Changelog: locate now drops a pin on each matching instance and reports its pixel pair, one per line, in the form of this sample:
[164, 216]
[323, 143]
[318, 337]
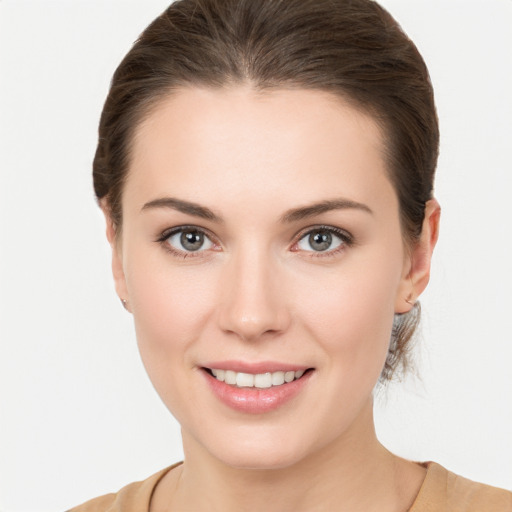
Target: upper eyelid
[343, 233]
[166, 233]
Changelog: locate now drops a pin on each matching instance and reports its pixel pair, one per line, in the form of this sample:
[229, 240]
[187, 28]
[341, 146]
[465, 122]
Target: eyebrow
[324, 206]
[294, 215]
[183, 206]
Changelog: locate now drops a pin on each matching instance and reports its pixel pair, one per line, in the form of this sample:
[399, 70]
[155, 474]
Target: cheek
[170, 307]
[350, 314]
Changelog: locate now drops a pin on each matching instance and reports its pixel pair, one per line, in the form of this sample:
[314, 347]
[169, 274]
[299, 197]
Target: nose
[253, 298]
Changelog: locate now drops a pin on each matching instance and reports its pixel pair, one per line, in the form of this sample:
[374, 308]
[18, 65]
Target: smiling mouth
[258, 380]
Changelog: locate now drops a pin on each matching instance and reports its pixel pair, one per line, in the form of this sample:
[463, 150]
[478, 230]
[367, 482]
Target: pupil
[320, 241]
[192, 240]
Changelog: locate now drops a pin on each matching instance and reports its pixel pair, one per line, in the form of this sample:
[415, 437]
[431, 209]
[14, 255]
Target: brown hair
[351, 48]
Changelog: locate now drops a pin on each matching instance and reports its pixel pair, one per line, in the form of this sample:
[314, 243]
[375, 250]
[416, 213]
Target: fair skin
[239, 169]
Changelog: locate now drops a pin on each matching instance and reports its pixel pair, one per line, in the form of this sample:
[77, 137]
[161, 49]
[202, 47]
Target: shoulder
[467, 495]
[444, 491]
[102, 503]
[134, 497]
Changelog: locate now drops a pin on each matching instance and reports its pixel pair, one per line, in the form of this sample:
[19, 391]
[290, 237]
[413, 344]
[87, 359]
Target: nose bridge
[252, 304]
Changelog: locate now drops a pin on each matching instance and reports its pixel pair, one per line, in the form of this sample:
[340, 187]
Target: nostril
[254, 327]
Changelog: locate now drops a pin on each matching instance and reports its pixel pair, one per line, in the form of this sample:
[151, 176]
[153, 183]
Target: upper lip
[255, 367]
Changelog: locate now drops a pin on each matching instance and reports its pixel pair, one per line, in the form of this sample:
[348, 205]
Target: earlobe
[417, 275]
[117, 260]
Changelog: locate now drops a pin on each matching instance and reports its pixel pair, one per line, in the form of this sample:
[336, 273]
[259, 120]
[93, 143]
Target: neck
[353, 473]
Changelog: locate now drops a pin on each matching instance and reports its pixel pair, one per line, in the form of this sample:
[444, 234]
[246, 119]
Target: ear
[117, 259]
[416, 273]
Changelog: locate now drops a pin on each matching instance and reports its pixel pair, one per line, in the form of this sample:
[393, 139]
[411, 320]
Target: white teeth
[263, 380]
[289, 376]
[260, 380]
[277, 378]
[230, 377]
[244, 380]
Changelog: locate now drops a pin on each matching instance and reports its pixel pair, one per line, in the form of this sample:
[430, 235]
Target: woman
[266, 174]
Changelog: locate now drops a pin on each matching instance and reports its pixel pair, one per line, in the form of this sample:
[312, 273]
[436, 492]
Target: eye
[323, 240]
[188, 240]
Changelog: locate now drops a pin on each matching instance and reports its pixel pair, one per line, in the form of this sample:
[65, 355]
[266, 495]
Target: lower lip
[256, 400]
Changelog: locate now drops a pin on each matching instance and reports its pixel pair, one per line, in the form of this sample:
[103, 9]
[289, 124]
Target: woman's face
[261, 236]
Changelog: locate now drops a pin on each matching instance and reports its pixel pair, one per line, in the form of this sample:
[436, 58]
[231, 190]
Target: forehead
[213, 143]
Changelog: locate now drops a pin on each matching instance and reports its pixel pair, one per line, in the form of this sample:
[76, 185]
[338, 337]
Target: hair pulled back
[351, 48]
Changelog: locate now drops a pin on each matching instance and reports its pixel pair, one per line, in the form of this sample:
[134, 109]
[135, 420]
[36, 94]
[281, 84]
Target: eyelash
[168, 233]
[347, 240]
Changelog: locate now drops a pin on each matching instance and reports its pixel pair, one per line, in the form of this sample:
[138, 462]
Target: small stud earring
[124, 302]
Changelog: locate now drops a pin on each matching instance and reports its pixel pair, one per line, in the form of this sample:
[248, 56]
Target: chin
[259, 448]
[260, 458]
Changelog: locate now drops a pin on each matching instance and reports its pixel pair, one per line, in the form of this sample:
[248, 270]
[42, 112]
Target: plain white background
[78, 416]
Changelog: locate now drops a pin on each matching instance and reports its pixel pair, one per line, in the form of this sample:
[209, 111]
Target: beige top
[441, 491]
